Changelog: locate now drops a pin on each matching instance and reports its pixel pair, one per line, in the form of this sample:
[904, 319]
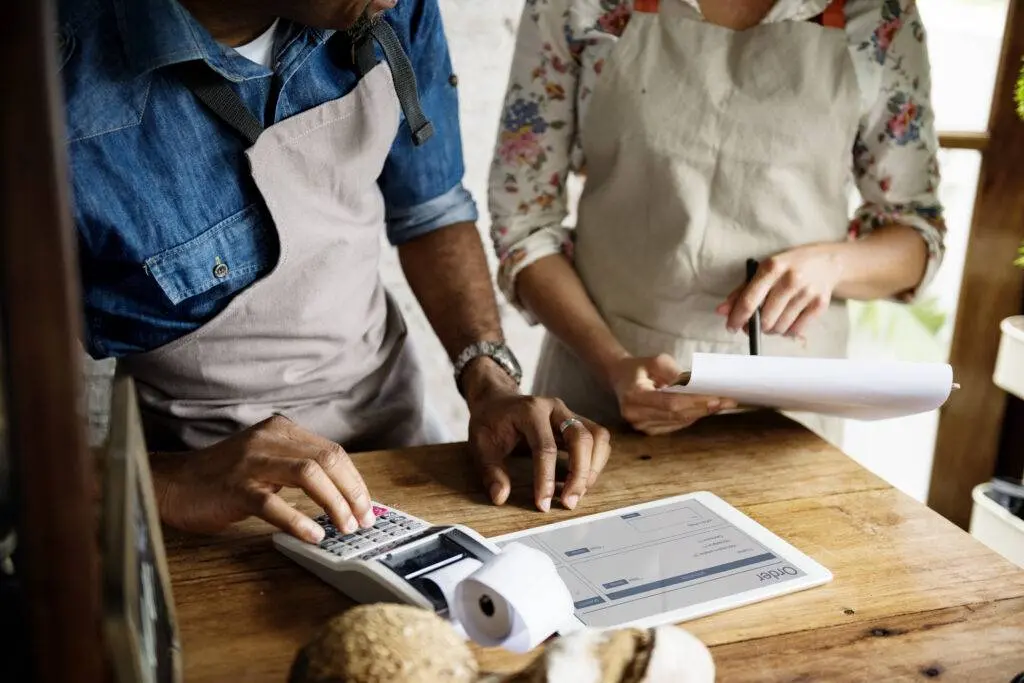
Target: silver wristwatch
[496, 351]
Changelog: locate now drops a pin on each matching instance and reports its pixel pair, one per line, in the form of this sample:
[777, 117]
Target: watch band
[496, 351]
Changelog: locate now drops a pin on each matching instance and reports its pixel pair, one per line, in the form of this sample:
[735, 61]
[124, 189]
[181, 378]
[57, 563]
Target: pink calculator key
[378, 510]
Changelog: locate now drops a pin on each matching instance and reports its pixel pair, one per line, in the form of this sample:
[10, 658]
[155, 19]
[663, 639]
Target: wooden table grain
[913, 598]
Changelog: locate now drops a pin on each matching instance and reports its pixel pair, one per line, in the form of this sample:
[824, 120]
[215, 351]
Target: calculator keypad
[389, 527]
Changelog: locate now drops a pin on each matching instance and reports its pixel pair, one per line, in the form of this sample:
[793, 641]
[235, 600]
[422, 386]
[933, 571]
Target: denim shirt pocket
[230, 256]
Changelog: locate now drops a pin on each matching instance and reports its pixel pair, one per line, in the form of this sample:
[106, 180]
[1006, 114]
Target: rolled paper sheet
[515, 600]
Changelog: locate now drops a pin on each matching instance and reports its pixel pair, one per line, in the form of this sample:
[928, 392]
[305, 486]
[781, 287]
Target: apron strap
[213, 90]
[834, 15]
[363, 35]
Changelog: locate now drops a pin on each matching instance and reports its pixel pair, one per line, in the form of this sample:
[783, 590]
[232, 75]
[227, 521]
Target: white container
[1009, 372]
[993, 525]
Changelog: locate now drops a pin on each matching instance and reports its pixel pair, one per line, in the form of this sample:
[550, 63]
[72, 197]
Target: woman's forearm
[889, 261]
[552, 291]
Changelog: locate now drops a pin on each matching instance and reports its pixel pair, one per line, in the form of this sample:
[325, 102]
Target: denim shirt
[161, 186]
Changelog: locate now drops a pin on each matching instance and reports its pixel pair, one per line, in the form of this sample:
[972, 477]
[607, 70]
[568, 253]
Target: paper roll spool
[447, 578]
[515, 600]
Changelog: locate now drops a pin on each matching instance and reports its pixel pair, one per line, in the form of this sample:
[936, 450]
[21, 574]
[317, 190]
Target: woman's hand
[791, 288]
[636, 382]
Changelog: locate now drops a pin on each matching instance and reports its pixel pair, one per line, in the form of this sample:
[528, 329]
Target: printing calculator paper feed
[668, 561]
[515, 600]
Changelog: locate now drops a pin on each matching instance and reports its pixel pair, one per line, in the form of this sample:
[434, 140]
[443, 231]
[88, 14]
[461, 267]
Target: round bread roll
[666, 654]
[385, 643]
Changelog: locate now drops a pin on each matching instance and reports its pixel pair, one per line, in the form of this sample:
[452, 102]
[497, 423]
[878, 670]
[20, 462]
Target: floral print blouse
[561, 48]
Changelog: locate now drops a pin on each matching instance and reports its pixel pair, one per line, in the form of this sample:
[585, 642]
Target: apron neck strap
[834, 15]
[213, 90]
[363, 34]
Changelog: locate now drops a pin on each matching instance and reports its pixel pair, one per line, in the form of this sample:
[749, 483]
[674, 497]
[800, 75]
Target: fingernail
[368, 519]
[714, 404]
[313, 531]
[350, 525]
[545, 504]
[495, 492]
[571, 501]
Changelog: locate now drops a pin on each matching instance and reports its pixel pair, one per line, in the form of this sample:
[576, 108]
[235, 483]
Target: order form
[656, 559]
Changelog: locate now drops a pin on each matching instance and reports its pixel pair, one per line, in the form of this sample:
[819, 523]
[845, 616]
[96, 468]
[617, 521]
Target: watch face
[509, 357]
[497, 351]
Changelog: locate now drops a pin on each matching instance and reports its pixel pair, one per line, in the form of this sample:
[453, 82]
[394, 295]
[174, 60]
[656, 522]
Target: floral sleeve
[533, 158]
[895, 154]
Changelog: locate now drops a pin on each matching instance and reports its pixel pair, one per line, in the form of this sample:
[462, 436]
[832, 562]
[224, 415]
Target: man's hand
[501, 417]
[636, 382]
[207, 490]
[792, 288]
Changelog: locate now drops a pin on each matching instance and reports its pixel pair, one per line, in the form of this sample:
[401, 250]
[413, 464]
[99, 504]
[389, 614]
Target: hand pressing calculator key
[391, 526]
[390, 562]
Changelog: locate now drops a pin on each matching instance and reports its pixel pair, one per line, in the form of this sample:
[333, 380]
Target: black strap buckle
[363, 34]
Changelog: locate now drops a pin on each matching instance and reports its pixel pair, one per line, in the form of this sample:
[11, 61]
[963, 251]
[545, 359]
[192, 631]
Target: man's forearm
[551, 289]
[889, 261]
[447, 271]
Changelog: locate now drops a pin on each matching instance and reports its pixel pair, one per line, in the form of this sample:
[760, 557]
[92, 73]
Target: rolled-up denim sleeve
[454, 206]
[422, 186]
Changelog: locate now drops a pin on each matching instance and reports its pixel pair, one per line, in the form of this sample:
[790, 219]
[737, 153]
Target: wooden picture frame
[52, 472]
[139, 618]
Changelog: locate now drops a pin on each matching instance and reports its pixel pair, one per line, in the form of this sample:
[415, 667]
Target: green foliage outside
[1019, 98]
[907, 331]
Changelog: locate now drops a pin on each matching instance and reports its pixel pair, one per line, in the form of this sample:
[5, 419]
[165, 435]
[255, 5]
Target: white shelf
[994, 526]
[1009, 371]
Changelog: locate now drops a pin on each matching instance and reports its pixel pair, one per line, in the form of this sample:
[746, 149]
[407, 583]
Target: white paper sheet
[855, 389]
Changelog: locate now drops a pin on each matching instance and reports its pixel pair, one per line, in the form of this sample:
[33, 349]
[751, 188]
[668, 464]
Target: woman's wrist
[890, 259]
[607, 360]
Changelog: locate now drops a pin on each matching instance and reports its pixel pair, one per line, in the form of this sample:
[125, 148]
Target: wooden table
[913, 598]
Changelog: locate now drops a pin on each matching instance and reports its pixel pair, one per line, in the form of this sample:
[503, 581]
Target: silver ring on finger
[571, 422]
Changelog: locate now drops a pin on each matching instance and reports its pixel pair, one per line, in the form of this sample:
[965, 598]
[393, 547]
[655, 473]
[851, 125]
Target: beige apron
[705, 147]
[318, 339]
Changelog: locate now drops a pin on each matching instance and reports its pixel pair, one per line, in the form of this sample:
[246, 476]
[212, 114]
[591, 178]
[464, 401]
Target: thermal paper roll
[515, 600]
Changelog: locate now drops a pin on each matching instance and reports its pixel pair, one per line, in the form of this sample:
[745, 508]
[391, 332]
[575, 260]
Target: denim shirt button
[220, 270]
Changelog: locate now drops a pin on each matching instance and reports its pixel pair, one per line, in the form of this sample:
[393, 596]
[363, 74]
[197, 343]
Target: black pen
[754, 324]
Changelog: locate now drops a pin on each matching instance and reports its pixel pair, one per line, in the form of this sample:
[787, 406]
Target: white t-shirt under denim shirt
[261, 50]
